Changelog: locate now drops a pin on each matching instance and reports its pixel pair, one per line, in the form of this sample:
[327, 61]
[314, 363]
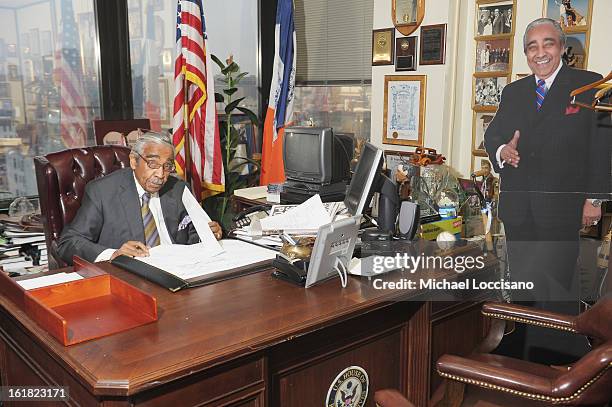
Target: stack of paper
[305, 218]
[21, 247]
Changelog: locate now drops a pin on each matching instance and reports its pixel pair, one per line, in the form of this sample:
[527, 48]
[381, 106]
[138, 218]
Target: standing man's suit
[565, 158]
[110, 215]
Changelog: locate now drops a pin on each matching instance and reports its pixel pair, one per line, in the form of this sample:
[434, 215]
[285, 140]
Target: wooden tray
[85, 309]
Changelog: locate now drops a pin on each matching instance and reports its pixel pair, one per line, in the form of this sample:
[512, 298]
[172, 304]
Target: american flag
[69, 72]
[194, 87]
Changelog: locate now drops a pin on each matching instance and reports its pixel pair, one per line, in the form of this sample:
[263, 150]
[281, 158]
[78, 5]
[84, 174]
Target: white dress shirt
[548, 83]
[158, 217]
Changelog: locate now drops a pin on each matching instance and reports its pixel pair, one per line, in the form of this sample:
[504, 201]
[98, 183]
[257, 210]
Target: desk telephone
[245, 217]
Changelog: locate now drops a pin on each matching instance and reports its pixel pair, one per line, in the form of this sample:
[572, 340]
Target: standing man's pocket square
[186, 221]
[572, 110]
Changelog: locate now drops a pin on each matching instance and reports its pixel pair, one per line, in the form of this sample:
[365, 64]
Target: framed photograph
[495, 18]
[383, 46]
[405, 54]
[487, 92]
[479, 127]
[573, 15]
[576, 50]
[404, 110]
[433, 44]
[494, 55]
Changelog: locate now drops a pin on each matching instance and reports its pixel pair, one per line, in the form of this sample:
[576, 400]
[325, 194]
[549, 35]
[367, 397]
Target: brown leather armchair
[61, 179]
[586, 382]
[103, 127]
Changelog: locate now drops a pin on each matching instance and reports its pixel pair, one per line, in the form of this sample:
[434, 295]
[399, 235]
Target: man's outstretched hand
[509, 153]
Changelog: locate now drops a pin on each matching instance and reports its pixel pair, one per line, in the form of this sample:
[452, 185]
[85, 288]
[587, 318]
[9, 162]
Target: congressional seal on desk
[349, 388]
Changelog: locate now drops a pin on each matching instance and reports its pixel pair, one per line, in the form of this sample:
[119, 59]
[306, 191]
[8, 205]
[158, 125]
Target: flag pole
[187, 142]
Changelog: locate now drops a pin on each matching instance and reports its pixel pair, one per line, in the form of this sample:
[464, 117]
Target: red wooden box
[77, 311]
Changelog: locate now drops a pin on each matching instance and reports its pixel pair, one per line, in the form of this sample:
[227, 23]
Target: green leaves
[230, 91]
[252, 116]
[231, 106]
[218, 62]
[218, 206]
[231, 68]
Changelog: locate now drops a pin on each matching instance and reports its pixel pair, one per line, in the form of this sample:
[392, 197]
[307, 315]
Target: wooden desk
[250, 341]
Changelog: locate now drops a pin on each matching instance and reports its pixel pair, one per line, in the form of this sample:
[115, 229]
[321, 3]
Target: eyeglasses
[154, 165]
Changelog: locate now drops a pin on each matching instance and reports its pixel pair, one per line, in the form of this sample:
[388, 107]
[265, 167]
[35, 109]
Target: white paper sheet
[52, 279]
[253, 192]
[306, 217]
[189, 261]
[200, 221]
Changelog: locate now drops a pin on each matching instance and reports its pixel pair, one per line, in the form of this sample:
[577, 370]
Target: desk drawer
[223, 386]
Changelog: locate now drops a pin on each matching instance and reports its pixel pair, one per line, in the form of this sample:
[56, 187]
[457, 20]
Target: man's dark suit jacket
[564, 150]
[110, 215]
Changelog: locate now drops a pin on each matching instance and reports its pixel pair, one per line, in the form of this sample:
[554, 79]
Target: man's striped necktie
[150, 230]
[540, 92]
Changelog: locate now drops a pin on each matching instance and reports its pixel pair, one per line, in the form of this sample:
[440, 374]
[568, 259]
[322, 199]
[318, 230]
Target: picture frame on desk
[395, 158]
[432, 49]
[404, 109]
[383, 46]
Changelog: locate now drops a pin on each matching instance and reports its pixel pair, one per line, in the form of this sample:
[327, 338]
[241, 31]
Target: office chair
[484, 379]
[124, 127]
[61, 179]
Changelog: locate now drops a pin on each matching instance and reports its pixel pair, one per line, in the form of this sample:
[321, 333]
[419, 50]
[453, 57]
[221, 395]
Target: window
[334, 72]
[49, 90]
[232, 28]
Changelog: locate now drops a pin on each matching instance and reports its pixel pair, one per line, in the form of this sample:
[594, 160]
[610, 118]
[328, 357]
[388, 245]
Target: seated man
[132, 209]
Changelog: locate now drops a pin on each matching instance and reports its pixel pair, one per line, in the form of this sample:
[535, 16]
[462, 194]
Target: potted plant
[218, 206]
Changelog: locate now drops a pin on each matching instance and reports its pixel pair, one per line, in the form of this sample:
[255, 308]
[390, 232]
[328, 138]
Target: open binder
[175, 283]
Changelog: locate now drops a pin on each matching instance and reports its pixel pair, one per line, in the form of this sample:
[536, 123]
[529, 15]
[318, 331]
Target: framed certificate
[404, 110]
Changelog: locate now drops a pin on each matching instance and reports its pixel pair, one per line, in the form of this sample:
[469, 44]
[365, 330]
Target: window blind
[334, 41]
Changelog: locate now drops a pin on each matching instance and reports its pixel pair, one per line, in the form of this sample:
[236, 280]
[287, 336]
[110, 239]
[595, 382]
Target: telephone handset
[245, 217]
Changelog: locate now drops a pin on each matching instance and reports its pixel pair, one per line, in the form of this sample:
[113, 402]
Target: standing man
[132, 209]
[551, 156]
[498, 22]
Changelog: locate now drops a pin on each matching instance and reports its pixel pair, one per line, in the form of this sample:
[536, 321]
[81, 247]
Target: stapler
[294, 272]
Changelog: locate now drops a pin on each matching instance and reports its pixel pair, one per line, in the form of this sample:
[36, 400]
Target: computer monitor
[362, 185]
[314, 155]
